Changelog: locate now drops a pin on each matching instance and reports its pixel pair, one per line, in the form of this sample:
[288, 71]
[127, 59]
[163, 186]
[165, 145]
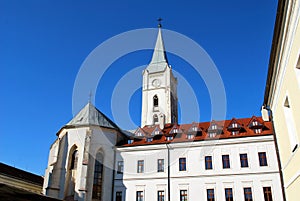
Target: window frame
[140, 166]
[139, 195]
[183, 195]
[160, 166]
[120, 167]
[212, 194]
[262, 158]
[244, 160]
[182, 164]
[267, 190]
[248, 193]
[118, 194]
[160, 195]
[208, 162]
[227, 196]
[226, 158]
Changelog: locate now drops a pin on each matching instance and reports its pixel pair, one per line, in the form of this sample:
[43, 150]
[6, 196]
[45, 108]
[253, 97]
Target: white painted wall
[196, 179]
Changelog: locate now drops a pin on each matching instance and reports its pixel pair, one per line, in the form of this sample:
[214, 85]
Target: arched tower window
[155, 101]
[74, 160]
[155, 119]
[98, 172]
[71, 173]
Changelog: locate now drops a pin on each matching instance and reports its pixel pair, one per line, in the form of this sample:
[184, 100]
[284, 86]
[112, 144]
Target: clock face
[156, 83]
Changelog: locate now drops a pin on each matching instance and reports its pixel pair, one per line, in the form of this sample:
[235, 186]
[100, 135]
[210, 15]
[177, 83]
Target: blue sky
[44, 43]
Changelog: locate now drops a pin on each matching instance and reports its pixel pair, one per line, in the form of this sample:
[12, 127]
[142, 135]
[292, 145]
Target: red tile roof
[223, 131]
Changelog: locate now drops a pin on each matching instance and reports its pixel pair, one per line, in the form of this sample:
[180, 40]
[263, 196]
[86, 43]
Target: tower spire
[159, 54]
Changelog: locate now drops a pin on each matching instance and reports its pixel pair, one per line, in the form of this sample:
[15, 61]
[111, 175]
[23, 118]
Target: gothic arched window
[74, 160]
[71, 173]
[155, 101]
[155, 119]
[98, 170]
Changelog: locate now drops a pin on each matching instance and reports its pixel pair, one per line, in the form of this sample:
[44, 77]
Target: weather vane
[159, 21]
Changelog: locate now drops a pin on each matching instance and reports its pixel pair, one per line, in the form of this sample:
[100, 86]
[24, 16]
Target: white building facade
[92, 159]
[240, 168]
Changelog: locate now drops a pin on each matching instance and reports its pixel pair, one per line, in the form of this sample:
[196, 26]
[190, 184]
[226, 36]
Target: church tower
[159, 99]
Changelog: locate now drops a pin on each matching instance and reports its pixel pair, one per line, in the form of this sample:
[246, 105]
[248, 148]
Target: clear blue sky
[43, 44]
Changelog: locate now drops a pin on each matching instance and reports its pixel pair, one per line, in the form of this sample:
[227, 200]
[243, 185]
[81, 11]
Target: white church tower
[159, 100]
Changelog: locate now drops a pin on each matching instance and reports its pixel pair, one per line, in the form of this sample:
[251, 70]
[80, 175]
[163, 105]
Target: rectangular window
[244, 160]
[169, 138]
[248, 194]
[140, 166]
[228, 194]
[262, 159]
[210, 194]
[225, 161]
[149, 139]
[119, 196]
[140, 196]
[182, 164]
[268, 194]
[130, 141]
[290, 123]
[257, 130]
[212, 134]
[234, 132]
[160, 165]
[183, 195]
[190, 136]
[208, 162]
[160, 195]
[120, 167]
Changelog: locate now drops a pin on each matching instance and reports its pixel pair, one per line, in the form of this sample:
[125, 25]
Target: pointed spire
[159, 54]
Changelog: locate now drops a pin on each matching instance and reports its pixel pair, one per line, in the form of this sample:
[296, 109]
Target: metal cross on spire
[159, 22]
[90, 96]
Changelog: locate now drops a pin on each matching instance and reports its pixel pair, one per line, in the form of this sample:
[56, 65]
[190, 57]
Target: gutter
[169, 179]
[277, 151]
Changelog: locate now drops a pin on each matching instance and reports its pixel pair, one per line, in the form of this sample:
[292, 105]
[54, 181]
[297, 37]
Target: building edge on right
[282, 94]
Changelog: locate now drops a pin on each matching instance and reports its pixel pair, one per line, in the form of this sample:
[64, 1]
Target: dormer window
[213, 130]
[194, 128]
[156, 131]
[150, 139]
[235, 132]
[139, 133]
[175, 130]
[169, 138]
[256, 126]
[234, 128]
[257, 130]
[190, 136]
[130, 141]
[212, 134]
[255, 123]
